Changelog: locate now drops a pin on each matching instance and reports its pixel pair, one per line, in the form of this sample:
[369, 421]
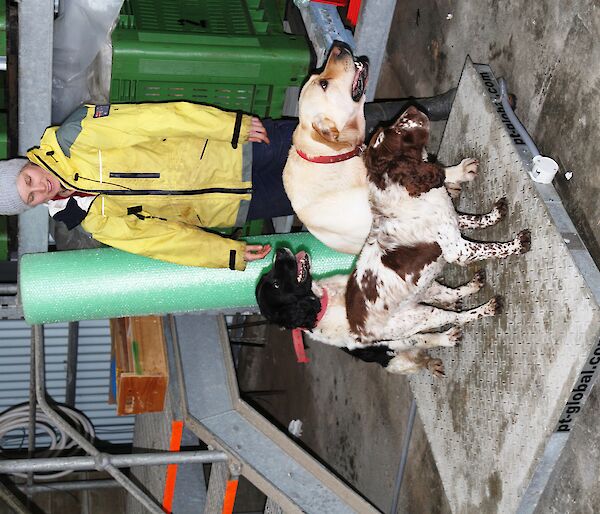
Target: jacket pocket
[137, 211]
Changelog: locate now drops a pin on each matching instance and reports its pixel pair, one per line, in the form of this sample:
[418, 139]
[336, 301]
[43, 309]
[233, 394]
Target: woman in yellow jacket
[154, 178]
[151, 178]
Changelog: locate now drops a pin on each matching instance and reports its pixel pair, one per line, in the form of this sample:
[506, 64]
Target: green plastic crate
[3, 238]
[226, 17]
[232, 54]
[3, 116]
[3, 136]
[2, 27]
[215, 17]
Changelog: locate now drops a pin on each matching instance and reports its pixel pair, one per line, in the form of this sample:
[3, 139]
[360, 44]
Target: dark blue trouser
[268, 195]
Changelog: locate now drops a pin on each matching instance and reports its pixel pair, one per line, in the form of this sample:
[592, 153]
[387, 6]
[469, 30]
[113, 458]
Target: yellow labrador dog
[325, 177]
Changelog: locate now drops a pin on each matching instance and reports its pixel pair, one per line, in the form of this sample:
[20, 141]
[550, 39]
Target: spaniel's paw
[524, 238]
[456, 305]
[454, 336]
[469, 167]
[501, 207]
[494, 306]
[453, 189]
[436, 367]
[478, 280]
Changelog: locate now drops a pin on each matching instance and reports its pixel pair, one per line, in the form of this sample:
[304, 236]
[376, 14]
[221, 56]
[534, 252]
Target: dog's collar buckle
[330, 159]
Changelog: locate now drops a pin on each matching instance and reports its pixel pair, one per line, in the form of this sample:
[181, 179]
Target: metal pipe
[36, 19]
[404, 456]
[6, 289]
[103, 461]
[371, 36]
[31, 426]
[85, 502]
[72, 347]
[72, 485]
[12, 501]
[132, 488]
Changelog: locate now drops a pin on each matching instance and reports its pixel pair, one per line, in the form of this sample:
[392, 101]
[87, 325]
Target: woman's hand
[258, 133]
[256, 252]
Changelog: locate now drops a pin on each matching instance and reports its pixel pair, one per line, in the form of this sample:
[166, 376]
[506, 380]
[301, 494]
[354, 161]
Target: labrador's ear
[326, 129]
[350, 134]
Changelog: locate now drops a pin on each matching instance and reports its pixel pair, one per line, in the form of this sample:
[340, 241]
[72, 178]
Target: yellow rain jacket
[156, 176]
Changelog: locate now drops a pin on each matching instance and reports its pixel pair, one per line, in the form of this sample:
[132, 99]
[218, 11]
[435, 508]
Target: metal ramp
[499, 421]
[291, 479]
[152, 433]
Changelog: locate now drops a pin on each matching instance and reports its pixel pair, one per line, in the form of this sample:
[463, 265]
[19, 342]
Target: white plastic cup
[544, 169]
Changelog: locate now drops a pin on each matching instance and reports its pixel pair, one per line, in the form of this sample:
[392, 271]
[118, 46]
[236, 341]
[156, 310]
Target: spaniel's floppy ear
[413, 128]
[377, 138]
[415, 122]
[326, 129]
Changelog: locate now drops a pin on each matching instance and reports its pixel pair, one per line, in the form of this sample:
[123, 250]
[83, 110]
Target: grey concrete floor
[354, 414]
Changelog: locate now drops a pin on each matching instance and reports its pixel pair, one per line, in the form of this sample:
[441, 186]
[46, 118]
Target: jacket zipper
[161, 192]
[125, 174]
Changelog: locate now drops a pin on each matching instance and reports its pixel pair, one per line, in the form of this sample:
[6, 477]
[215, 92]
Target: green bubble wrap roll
[108, 283]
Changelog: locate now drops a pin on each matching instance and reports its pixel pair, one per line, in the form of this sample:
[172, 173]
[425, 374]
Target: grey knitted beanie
[10, 201]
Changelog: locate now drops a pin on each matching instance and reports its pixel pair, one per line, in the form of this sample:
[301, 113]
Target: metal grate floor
[491, 421]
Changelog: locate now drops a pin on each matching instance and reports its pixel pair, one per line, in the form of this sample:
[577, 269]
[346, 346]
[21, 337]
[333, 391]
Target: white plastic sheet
[82, 54]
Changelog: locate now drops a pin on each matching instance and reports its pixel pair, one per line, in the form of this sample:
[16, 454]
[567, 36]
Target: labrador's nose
[340, 49]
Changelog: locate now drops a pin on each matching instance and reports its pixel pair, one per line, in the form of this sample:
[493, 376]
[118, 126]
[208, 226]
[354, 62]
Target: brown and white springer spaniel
[388, 309]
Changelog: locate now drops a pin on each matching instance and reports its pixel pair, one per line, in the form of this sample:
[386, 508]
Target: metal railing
[96, 460]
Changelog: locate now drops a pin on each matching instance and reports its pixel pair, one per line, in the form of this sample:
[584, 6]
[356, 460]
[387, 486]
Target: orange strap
[297, 338]
[353, 10]
[299, 345]
[230, 492]
[176, 434]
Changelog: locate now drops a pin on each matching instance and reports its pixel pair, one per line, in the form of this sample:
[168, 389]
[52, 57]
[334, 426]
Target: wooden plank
[137, 394]
[142, 374]
[118, 331]
[148, 332]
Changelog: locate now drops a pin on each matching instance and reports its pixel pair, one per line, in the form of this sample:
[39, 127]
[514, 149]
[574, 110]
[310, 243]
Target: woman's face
[36, 185]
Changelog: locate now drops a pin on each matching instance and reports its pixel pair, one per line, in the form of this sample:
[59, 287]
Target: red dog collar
[330, 159]
[297, 332]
